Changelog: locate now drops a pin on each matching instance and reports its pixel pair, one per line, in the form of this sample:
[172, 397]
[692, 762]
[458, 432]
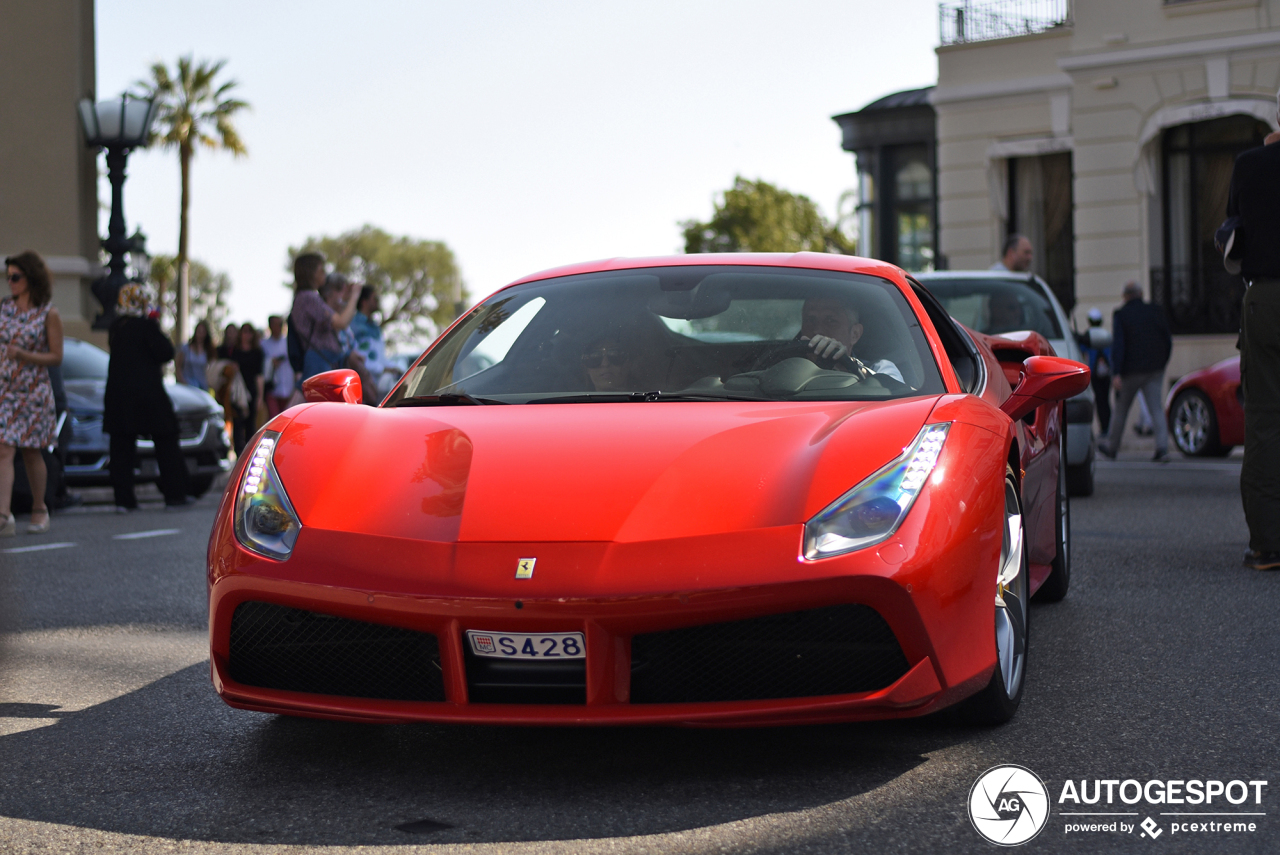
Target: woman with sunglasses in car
[606, 362]
[30, 342]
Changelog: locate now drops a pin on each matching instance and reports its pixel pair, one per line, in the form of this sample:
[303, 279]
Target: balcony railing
[964, 21]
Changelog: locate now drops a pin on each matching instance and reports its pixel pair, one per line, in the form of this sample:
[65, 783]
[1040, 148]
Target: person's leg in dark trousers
[1153, 394]
[1102, 400]
[173, 469]
[1260, 377]
[238, 436]
[1129, 386]
[124, 455]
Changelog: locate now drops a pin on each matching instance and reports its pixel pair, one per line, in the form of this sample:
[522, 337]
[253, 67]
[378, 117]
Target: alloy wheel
[1011, 595]
[1191, 421]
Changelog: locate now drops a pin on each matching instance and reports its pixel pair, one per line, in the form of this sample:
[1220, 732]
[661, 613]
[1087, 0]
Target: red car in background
[1205, 410]
[632, 492]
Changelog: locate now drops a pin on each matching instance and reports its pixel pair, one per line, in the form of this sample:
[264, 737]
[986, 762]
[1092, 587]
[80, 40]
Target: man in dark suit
[1255, 200]
[1140, 348]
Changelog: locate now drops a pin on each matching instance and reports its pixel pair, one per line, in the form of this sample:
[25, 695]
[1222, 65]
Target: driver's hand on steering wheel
[826, 347]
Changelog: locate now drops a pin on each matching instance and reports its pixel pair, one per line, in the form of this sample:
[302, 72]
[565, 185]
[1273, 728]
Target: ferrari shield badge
[524, 568]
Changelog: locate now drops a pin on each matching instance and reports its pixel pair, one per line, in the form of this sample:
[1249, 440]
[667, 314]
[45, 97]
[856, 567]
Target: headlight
[873, 510]
[264, 518]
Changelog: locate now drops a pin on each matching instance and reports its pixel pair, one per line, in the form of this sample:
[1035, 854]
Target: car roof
[977, 274]
[805, 260]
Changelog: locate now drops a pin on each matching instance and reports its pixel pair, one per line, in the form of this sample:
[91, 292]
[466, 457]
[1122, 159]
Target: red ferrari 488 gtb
[702, 490]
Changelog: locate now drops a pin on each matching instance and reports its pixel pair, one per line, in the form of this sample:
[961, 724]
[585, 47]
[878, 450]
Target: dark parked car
[202, 433]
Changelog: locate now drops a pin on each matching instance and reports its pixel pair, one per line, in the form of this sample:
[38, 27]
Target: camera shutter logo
[1009, 805]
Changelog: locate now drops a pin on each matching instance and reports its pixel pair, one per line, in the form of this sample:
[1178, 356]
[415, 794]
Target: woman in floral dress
[30, 341]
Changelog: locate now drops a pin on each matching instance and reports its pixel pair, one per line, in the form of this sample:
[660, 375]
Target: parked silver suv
[994, 302]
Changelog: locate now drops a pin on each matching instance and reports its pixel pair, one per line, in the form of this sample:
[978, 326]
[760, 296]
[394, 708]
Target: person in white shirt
[1016, 254]
[832, 327]
[278, 372]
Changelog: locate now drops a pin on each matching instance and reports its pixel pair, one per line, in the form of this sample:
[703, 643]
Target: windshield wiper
[448, 399]
[641, 398]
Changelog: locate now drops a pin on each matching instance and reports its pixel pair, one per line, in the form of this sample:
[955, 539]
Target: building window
[913, 203]
[907, 205]
[1197, 293]
[1040, 207]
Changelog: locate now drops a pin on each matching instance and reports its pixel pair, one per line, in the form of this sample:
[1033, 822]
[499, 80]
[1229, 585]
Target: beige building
[1105, 130]
[48, 177]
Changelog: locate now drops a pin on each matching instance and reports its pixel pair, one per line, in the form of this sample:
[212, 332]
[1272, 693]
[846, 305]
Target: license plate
[519, 645]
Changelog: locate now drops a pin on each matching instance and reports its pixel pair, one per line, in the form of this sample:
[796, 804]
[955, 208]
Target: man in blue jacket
[1140, 348]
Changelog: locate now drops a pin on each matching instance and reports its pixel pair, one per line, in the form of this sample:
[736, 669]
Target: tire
[1080, 476]
[1055, 587]
[997, 703]
[198, 485]
[1194, 425]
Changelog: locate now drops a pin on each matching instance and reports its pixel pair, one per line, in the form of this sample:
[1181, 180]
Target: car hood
[583, 472]
[86, 396]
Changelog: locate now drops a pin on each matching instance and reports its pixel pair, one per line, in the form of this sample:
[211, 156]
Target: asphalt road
[1160, 664]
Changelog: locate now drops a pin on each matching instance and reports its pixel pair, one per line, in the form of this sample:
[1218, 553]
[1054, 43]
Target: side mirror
[1099, 338]
[340, 387]
[1045, 379]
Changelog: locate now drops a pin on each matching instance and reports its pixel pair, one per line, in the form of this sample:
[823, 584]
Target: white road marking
[139, 535]
[41, 548]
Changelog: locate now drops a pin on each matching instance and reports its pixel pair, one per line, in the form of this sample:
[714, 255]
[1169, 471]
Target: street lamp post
[119, 127]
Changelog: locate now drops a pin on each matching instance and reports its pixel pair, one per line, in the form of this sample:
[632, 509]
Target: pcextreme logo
[1008, 805]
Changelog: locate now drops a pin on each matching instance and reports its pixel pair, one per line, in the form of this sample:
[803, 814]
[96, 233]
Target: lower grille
[514, 681]
[189, 426]
[276, 647]
[833, 650]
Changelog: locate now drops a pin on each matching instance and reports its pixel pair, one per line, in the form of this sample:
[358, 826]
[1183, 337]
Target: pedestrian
[369, 344]
[1099, 362]
[248, 355]
[278, 386]
[30, 342]
[136, 403]
[318, 324]
[194, 357]
[230, 341]
[308, 275]
[1140, 349]
[1254, 198]
[1015, 254]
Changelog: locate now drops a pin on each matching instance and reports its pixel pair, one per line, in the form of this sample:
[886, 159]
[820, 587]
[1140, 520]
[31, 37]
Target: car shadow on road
[171, 760]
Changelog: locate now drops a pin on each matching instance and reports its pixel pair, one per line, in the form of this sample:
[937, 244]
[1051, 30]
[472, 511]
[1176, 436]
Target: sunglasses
[15, 278]
[596, 358]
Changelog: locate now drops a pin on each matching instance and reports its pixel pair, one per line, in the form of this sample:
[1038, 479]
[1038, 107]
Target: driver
[832, 327]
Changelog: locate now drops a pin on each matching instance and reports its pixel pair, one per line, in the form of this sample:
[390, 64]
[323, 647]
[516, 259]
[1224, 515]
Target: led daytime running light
[265, 521]
[872, 511]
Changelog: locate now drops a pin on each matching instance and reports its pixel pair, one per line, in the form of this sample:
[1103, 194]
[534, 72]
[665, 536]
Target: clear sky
[525, 135]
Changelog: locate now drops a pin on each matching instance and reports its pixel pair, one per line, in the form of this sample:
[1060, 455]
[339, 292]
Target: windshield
[680, 333]
[995, 306]
[83, 361]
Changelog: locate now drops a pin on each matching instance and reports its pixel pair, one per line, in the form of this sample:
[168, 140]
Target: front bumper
[927, 585]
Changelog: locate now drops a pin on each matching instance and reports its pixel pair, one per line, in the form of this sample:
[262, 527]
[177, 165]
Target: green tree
[193, 110]
[756, 216]
[418, 281]
[208, 291]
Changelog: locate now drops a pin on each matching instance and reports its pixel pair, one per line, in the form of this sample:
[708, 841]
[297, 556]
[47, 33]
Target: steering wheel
[801, 349]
